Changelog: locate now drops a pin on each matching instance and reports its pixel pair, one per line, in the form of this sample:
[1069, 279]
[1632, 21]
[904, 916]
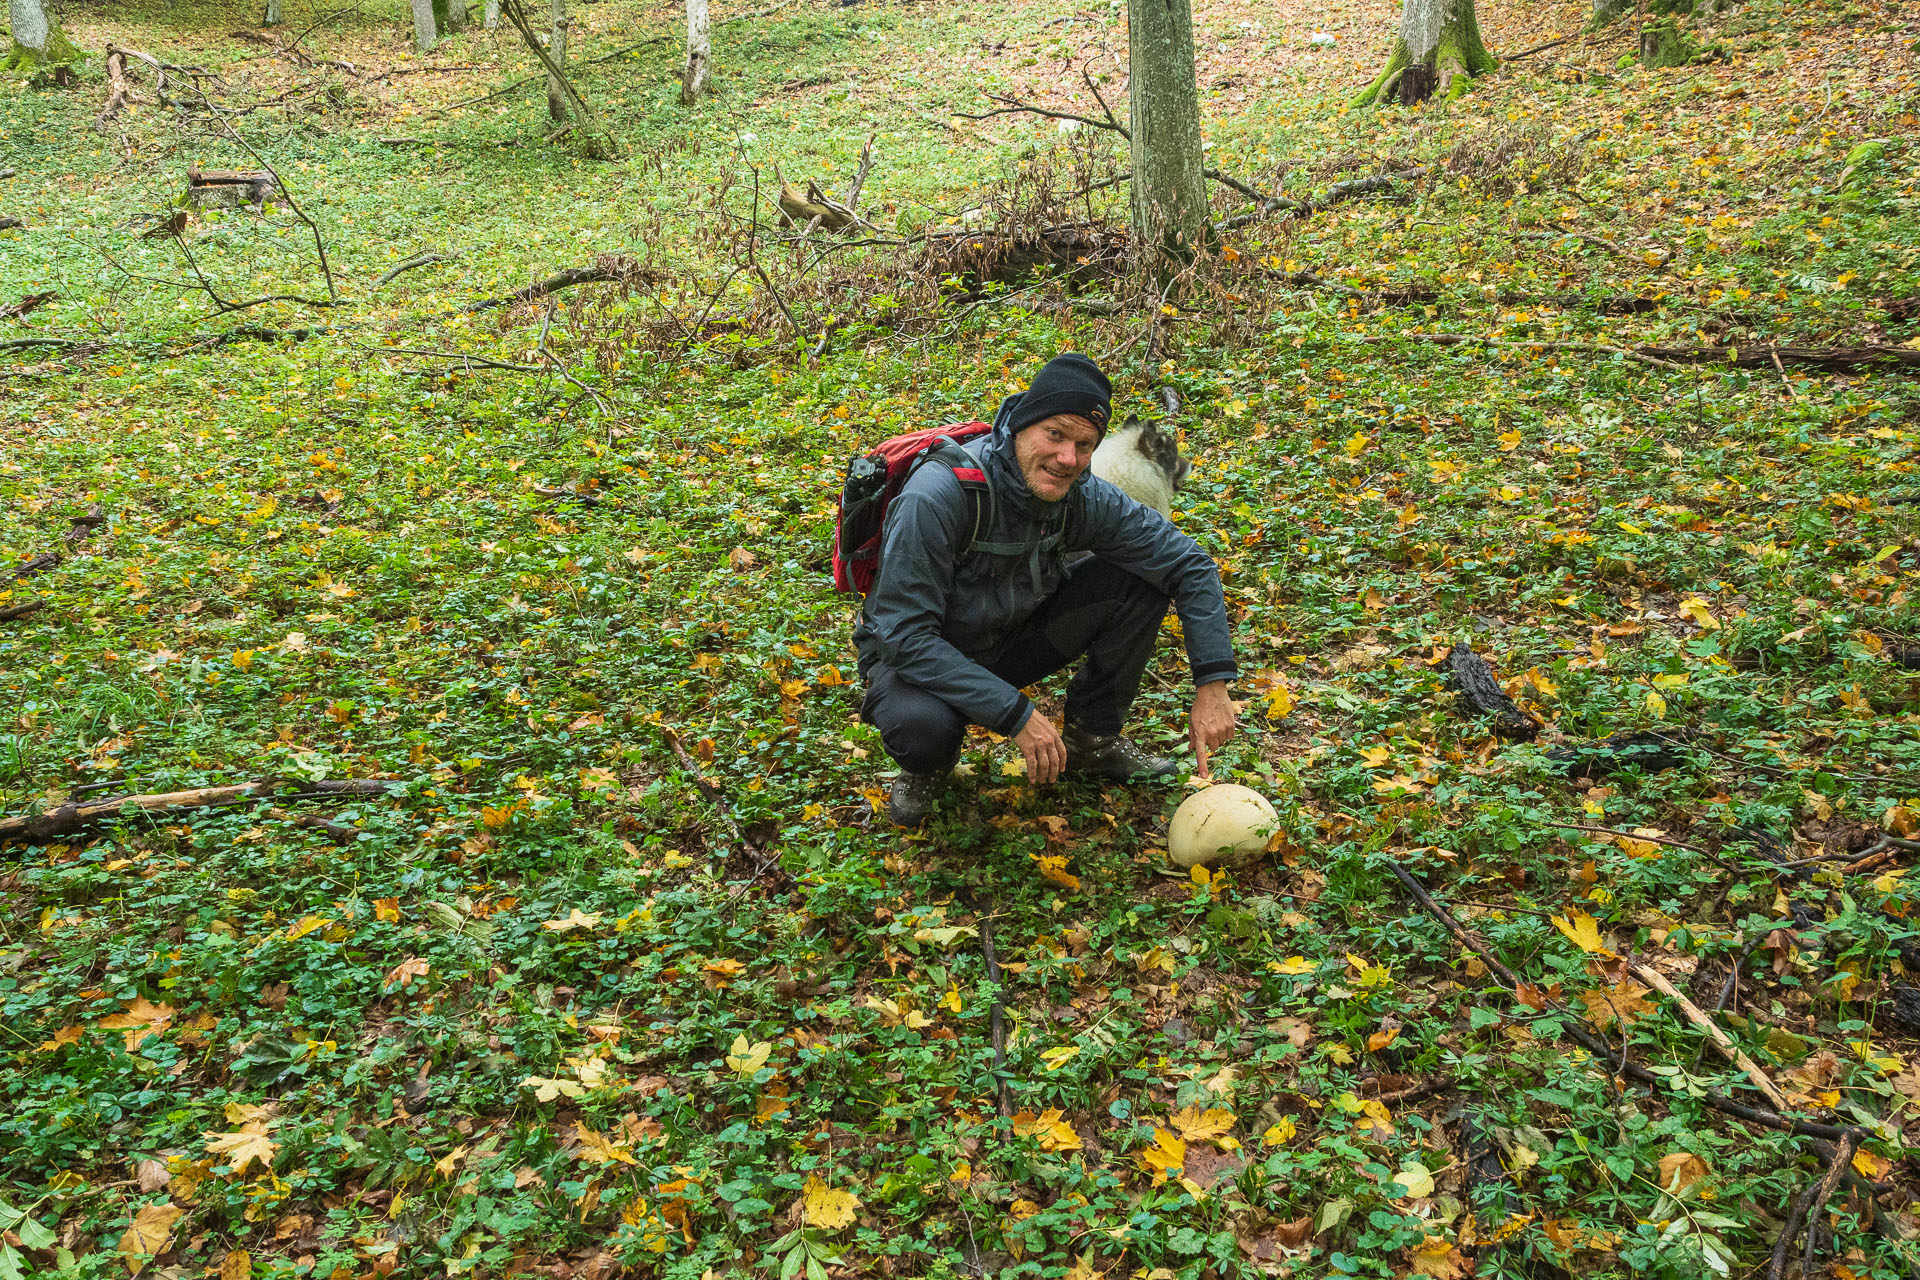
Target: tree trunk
[557, 50]
[425, 32]
[449, 16]
[1605, 11]
[1169, 187]
[1437, 50]
[491, 20]
[273, 18]
[693, 81]
[37, 37]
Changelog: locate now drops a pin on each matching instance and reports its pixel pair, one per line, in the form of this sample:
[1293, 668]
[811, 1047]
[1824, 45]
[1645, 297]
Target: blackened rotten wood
[1477, 684]
[1588, 762]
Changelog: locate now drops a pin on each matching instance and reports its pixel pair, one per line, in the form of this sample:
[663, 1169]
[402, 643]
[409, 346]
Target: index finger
[1201, 752]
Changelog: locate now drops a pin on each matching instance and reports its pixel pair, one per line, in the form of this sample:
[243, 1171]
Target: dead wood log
[1482, 691]
[82, 528]
[813, 206]
[27, 305]
[1762, 354]
[78, 815]
[10, 223]
[1074, 251]
[21, 610]
[1587, 762]
[606, 271]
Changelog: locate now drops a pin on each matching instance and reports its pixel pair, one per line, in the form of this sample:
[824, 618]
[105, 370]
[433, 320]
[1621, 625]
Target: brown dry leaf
[237, 1265]
[1625, 1000]
[141, 1020]
[151, 1175]
[148, 1234]
[740, 559]
[64, 1036]
[1680, 1170]
[387, 909]
[1272, 1242]
[406, 971]
[1437, 1257]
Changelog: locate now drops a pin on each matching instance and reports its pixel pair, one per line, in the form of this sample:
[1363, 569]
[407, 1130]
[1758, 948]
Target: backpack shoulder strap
[973, 478]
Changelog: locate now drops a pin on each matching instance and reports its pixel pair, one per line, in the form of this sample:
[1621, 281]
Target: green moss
[1664, 44]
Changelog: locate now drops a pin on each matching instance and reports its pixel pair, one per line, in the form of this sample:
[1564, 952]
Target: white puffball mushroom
[1226, 824]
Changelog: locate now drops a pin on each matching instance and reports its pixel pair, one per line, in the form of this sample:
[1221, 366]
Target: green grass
[493, 1032]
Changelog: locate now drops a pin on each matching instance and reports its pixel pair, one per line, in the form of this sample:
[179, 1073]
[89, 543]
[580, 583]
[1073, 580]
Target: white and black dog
[1143, 462]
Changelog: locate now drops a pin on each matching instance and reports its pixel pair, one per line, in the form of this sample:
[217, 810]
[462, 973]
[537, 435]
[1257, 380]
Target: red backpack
[875, 479]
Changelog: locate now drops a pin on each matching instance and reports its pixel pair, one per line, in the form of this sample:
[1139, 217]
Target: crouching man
[973, 600]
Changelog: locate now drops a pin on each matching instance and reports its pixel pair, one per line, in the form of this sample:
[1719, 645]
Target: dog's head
[1159, 448]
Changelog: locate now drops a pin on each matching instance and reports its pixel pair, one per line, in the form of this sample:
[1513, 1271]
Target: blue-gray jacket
[938, 610]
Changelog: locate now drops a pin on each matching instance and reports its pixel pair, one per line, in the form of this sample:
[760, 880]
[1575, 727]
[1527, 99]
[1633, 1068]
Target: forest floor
[628, 973]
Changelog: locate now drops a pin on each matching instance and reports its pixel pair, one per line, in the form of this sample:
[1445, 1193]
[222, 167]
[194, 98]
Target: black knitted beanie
[1069, 383]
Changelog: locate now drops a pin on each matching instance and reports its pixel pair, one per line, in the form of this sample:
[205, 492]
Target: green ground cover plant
[628, 973]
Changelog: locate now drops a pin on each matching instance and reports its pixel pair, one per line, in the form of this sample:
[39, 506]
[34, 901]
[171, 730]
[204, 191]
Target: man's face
[1053, 452]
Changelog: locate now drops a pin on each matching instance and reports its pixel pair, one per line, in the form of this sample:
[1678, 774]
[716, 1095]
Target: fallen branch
[1758, 355]
[1728, 1049]
[596, 274]
[418, 260]
[21, 610]
[1809, 1205]
[1604, 1053]
[76, 816]
[1542, 344]
[27, 305]
[81, 529]
[1539, 48]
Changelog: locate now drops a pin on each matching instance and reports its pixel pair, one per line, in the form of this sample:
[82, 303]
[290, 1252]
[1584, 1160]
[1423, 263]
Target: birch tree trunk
[557, 50]
[1169, 188]
[37, 37]
[273, 18]
[1436, 50]
[491, 19]
[425, 33]
[693, 81]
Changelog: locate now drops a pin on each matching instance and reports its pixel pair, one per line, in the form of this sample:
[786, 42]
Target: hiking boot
[913, 796]
[1112, 757]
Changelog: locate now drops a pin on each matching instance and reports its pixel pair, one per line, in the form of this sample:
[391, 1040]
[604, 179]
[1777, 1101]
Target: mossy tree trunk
[1437, 50]
[425, 30]
[450, 15]
[557, 50]
[37, 38]
[693, 80]
[273, 18]
[1169, 185]
[490, 18]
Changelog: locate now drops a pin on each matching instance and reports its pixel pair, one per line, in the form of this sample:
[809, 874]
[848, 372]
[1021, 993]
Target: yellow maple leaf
[951, 1001]
[1059, 1056]
[1196, 1125]
[1280, 1132]
[1509, 441]
[141, 1020]
[148, 1234]
[1279, 702]
[598, 1148]
[1695, 610]
[1376, 757]
[387, 909]
[1583, 931]
[1053, 867]
[574, 919]
[546, 1090]
[1163, 1155]
[829, 1208]
[250, 1145]
[306, 925]
[746, 1057]
[1292, 964]
[1367, 974]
